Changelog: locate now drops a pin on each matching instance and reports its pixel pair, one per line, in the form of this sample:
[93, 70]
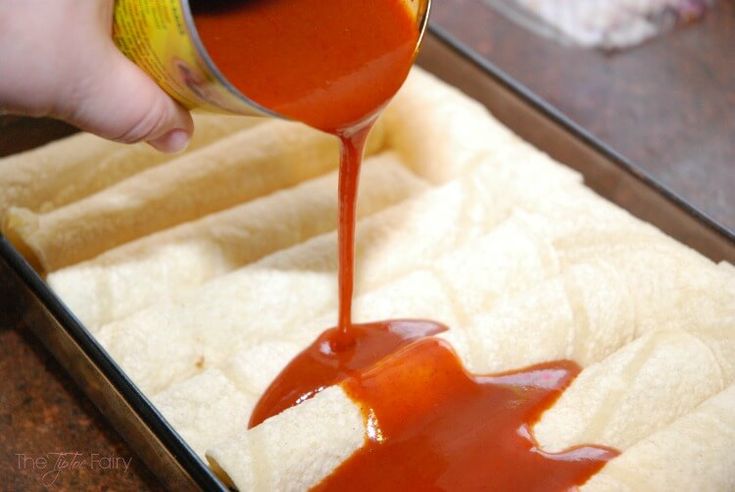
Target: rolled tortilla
[256, 366]
[560, 318]
[581, 224]
[693, 453]
[468, 281]
[244, 166]
[670, 282]
[594, 308]
[640, 389]
[216, 404]
[153, 200]
[457, 285]
[205, 408]
[67, 170]
[426, 113]
[280, 453]
[171, 262]
[441, 133]
[390, 244]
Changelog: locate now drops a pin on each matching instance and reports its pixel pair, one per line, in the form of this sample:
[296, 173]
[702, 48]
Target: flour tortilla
[456, 285]
[695, 452]
[617, 280]
[441, 133]
[558, 318]
[640, 389]
[205, 408]
[465, 282]
[596, 306]
[241, 167]
[692, 453]
[505, 260]
[426, 114]
[521, 261]
[457, 135]
[253, 368]
[72, 168]
[166, 264]
[668, 282]
[390, 244]
[281, 453]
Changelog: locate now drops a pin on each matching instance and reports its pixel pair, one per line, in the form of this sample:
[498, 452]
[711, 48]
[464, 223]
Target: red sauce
[351, 151]
[332, 64]
[432, 426]
[325, 363]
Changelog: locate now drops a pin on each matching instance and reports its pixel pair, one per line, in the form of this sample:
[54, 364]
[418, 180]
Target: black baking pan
[133, 415]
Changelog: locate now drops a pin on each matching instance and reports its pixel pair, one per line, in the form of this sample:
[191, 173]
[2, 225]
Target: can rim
[212, 67]
[423, 22]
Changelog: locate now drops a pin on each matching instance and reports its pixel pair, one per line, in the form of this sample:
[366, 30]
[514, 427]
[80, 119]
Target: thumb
[117, 100]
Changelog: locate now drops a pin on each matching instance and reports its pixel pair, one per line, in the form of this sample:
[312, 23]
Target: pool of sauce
[325, 362]
[432, 426]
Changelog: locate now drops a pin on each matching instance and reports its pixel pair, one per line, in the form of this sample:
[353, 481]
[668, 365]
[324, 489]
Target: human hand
[57, 59]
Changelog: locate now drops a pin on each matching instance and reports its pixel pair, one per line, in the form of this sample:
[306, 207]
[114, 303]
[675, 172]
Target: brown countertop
[51, 436]
[669, 105]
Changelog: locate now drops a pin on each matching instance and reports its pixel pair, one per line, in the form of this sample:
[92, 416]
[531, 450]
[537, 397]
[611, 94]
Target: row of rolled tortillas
[61, 213]
[555, 320]
[143, 272]
[176, 260]
[390, 243]
[461, 222]
[644, 370]
[242, 166]
[67, 170]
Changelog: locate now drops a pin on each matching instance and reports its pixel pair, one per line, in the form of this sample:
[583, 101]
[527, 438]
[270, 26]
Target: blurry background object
[667, 105]
[607, 24]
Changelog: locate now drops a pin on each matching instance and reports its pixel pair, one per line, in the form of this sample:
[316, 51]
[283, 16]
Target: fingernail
[172, 142]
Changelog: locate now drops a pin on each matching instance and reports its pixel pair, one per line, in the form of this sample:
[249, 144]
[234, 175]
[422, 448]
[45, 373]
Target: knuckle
[144, 125]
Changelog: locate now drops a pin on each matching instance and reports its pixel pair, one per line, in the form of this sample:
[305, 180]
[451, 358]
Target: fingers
[64, 64]
[117, 100]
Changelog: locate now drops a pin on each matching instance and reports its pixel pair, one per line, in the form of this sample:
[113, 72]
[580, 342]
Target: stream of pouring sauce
[334, 64]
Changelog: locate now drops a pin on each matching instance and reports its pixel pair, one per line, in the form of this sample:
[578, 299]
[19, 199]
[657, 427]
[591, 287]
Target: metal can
[160, 37]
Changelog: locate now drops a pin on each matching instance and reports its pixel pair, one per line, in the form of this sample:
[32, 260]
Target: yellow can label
[158, 37]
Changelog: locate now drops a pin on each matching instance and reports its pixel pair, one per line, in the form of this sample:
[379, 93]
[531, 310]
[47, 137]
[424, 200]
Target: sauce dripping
[351, 151]
[325, 362]
[465, 432]
[334, 64]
